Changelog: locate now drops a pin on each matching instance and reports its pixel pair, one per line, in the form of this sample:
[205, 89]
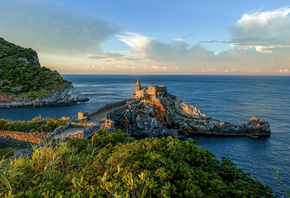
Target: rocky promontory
[161, 114]
[25, 83]
[67, 96]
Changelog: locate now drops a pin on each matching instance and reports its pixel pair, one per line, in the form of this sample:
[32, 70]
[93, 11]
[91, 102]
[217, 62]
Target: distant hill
[22, 79]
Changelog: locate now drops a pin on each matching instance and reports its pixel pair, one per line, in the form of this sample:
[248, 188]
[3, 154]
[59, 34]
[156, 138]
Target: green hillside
[22, 76]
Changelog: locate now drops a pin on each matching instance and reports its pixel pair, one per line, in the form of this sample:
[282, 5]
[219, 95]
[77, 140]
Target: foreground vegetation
[22, 75]
[115, 165]
[6, 152]
[37, 124]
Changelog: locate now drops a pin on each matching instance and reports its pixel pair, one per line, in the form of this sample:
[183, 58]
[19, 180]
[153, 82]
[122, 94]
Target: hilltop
[24, 82]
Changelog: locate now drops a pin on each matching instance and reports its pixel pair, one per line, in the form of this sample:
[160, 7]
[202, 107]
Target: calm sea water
[230, 98]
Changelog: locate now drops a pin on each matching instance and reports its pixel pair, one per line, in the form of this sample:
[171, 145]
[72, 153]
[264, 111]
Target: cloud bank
[269, 28]
[52, 27]
[70, 42]
[260, 44]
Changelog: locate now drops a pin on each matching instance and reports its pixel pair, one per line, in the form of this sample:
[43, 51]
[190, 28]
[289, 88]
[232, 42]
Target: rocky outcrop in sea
[165, 114]
[67, 96]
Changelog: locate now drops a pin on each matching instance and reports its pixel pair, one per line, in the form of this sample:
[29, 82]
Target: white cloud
[260, 42]
[159, 68]
[195, 59]
[179, 39]
[151, 48]
[230, 70]
[264, 49]
[283, 71]
[268, 28]
[209, 70]
[255, 71]
[137, 42]
[263, 18]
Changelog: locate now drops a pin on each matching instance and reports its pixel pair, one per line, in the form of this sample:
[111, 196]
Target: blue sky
[153, 37]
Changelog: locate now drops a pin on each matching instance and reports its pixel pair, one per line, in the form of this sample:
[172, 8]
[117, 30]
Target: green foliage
[114, 165]
[4, 182]
[6, 152]
[37, 124]
[286, 190]
[100, 140]
[22, 75]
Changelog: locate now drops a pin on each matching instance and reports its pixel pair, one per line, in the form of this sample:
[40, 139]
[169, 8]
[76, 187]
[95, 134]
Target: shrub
[6, 152]
[37, 124]
[114, 165]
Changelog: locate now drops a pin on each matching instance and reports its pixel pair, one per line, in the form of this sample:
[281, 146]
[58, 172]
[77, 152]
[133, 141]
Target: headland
[25, 83]
[152, 111]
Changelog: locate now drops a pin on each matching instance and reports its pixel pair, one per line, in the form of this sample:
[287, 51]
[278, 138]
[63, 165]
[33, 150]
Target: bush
[37, 124]
[114, 165]
[6, 152]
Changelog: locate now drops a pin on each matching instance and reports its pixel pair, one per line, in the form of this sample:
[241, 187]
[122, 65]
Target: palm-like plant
[286, 190]
[3, 179]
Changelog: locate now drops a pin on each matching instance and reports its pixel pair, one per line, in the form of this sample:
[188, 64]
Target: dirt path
[97, 117]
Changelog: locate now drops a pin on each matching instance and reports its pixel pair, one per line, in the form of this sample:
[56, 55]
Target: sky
[154, 36]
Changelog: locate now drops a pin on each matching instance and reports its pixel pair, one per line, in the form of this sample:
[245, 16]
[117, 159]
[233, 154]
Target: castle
[151, 91]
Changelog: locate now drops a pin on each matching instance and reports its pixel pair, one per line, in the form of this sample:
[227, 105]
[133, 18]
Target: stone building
[151, 90]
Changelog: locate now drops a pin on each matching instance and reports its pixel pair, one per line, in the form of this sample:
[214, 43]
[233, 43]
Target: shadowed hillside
[23, 82]
[22, 75]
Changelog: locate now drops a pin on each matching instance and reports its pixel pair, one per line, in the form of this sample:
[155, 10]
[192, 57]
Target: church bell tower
[138, 85]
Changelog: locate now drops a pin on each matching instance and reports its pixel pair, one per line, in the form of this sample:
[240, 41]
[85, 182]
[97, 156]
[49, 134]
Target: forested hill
[22, 76]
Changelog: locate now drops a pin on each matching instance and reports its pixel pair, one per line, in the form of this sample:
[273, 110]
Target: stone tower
[138, 85]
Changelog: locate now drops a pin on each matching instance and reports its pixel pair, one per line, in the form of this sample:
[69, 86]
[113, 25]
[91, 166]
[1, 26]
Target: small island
[24, 83]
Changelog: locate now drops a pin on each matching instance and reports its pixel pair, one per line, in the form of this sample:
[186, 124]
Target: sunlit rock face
[165, 114]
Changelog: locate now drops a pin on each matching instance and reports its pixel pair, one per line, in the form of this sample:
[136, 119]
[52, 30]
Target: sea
[228, 98]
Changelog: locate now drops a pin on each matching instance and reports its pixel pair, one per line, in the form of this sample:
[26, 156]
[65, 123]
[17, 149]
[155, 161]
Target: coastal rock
[66, 96]
[69, 95]
[168, 115]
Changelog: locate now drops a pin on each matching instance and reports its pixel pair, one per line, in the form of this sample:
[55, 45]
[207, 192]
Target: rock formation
[24, 83]
[65, 96]
[165, 114]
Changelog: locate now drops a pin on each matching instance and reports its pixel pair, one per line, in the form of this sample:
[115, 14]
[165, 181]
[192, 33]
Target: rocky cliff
[165, 114]
[67, 96]
[23, 82]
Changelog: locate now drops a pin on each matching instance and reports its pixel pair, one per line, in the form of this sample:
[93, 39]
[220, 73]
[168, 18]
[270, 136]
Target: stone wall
[152, 90]
[108, 106]
[78, 134]
[90, 130]
[71, 125]
[21, 139]
[61, 128]
[141, 93]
